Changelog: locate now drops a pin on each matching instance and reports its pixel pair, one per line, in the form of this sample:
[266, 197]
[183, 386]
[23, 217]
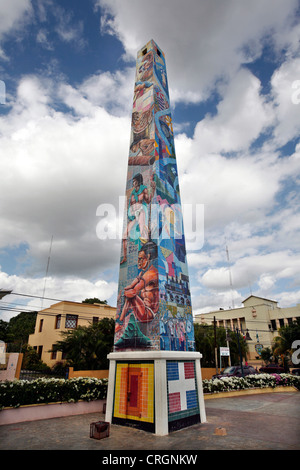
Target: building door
[134, 394]
[134, 391]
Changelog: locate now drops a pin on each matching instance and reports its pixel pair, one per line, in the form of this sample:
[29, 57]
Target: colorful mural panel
[182, 390]
[134, 392]
[154, 303]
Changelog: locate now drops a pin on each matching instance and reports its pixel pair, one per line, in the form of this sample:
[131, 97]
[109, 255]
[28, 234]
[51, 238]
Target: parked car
[235, 371]
[272, 369]
[296, 371]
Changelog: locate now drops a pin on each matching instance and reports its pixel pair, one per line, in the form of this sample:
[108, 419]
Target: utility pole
[240, 352]
[230, 277]
[47, 269]
[215, 344]
[227, 342]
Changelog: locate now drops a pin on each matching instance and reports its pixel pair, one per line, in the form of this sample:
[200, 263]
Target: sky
[67, 71]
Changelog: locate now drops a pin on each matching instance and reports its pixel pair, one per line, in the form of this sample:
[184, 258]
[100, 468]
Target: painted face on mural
[136, 184]
[143, 260]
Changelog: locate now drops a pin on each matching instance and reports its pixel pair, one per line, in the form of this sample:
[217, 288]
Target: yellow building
[63, 316]
[260, 318]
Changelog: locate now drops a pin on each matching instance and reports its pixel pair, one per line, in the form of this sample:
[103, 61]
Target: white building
[261, 317]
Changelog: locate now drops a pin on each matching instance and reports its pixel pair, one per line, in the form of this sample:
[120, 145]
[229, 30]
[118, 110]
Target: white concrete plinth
[160, 359]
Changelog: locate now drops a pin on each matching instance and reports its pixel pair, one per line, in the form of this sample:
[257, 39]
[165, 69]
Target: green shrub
[250, 381]
[23, 392]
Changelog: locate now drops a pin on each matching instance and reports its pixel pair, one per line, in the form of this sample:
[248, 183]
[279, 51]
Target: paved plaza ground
[253, 422]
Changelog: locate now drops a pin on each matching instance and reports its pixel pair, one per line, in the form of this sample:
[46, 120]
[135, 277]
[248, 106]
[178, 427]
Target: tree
[282, 344]
[266, 355]
[32, 361]
[18, 330]
[204, 340]
[94, 301]
[87, 347]
[205, 343]
[3, 330]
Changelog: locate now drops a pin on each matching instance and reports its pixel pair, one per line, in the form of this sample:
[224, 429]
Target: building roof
[81, 304]
[257, 297]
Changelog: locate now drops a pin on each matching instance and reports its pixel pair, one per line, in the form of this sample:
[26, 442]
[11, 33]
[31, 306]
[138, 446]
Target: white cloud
[58, 169]
[265, 268]
[74, 288]
[288, 298]
[241, 117]
[286, 111]
[113, 91]
[215, 300]
[203, 42]
[230, 188]
[13, 16]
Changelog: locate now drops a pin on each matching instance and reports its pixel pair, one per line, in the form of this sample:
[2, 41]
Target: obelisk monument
[155, 375]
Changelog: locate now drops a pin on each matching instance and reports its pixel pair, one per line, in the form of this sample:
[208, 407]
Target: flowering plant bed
[249, 382]
[22, 392]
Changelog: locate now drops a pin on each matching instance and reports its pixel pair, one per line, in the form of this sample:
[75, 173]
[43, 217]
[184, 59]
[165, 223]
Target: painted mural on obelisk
[154, 305]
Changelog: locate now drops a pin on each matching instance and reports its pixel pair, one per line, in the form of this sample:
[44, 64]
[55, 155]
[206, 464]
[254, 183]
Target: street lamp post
[240, 352]
[247, 338]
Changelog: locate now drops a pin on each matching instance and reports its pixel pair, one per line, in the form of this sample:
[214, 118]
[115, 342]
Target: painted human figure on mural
[140, 89]
[142, 152]
[141, 121]
[181, 332]
[142, 295]
[137, 214]
[145, 70]
[142, 147]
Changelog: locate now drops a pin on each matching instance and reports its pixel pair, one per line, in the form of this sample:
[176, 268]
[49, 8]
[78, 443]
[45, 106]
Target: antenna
[250, 287]
[47, 272]
[230, 278]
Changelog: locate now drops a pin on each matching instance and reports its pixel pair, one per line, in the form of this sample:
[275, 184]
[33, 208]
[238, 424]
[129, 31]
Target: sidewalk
[253, 422]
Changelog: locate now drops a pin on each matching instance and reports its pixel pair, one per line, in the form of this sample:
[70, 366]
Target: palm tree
[287, 335]
[282, 344]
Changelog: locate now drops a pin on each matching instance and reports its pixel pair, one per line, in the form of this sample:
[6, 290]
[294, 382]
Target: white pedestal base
[161, 361]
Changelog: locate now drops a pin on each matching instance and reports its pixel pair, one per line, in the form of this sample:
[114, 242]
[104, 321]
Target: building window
[40, 351]
[144, 52]
[57, 322]
[273, 325]
[281, 322]
[243, 324]
[95, 320]
[53, 353]
[41, 325]
[71, 321]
